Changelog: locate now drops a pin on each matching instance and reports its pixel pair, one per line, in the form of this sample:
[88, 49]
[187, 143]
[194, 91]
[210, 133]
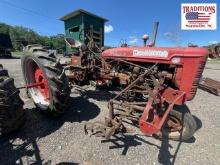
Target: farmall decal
[150, 53]
[198, 16]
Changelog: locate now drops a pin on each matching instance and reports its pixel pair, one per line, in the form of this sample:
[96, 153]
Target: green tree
[5, 40]
[58, 43]
[21, 36]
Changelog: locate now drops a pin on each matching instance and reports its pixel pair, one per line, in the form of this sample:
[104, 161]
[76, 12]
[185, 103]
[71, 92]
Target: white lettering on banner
[151, 53]
[198, 16]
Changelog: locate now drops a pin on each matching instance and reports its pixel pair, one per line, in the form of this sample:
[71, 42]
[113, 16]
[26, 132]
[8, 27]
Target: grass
[16, 54]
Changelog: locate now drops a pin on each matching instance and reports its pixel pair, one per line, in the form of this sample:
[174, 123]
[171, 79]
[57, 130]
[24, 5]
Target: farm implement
[151, 84]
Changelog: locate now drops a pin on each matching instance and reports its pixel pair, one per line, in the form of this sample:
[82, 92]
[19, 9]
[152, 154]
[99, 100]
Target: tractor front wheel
[180, 125]
[51, 94]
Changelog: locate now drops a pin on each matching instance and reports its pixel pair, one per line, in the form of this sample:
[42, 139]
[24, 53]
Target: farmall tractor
[154, 82]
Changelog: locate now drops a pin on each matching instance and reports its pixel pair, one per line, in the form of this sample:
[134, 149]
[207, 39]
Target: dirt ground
[44, 140]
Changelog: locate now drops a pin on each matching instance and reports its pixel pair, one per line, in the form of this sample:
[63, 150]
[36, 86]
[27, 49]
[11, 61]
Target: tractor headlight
[176, 60]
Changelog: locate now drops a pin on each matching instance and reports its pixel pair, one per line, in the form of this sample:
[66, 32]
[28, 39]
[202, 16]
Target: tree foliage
[214, 48]
[5, 40]
[214, 45]
[21, 36]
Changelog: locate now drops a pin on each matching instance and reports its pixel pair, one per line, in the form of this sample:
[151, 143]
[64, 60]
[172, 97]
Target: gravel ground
[43, 140]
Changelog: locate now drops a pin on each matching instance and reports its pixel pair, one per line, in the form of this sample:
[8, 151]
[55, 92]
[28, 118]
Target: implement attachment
[211, 86]
[149, 114]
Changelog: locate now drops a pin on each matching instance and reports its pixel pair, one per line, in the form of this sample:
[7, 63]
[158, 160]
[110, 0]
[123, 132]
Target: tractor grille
[197, 77]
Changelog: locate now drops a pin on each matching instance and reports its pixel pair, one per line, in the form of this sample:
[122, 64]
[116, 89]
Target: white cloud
[172, 36]
[133, 40]
[213, 42]
[108, 28]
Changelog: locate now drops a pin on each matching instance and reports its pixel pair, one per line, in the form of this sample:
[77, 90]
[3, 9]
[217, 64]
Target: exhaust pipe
[156, 24]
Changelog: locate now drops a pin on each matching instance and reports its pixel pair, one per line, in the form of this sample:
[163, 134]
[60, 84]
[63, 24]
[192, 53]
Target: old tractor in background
[214, 52]
[154, 82]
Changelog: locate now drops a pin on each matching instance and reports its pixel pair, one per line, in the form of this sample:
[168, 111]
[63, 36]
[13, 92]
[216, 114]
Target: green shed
[77, 24]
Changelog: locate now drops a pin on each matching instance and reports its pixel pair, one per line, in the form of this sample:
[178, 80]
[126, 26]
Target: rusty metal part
[127, 62]
[174, 124]
[123, 78]
[211, 86]
[130, 105]
[113, 123]
[76, 60]
[149, 115]
[166, 74]
[147, 71]
[106, 129]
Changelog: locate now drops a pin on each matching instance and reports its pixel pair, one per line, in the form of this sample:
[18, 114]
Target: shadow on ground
[125, 141]
[13, 57]
[39, 125]
[99, 95]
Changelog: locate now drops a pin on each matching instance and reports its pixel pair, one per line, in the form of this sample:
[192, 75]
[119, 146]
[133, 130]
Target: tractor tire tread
[12, 114]
[189, 123]
[52, 69]
[48, 58]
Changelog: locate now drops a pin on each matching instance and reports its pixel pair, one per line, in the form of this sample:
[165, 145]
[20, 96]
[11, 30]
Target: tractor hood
[162, 54]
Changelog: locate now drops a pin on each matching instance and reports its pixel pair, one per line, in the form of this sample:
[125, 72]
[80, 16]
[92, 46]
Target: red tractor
[154, 83]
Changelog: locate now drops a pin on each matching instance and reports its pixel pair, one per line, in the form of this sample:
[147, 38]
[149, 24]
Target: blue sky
[130, 19]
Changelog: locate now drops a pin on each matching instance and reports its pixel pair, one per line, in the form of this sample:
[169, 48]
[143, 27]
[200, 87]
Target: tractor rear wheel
[180, 125]
[52, 93]
[12, 114]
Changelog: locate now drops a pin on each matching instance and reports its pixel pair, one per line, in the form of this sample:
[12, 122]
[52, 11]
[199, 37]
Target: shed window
[74, 29]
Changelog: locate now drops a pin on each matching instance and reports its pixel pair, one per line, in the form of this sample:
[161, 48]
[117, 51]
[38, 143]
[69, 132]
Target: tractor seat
[73, 43]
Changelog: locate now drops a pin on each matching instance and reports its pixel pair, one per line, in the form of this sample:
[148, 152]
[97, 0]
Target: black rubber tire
[59, 91]
[12, 114]
[188, 122]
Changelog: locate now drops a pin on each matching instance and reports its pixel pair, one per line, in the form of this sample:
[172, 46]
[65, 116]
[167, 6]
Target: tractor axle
[31, 85]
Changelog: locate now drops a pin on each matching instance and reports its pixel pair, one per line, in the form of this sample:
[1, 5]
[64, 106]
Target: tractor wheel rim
[39, 78]
[34, 74]
[174, 126]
